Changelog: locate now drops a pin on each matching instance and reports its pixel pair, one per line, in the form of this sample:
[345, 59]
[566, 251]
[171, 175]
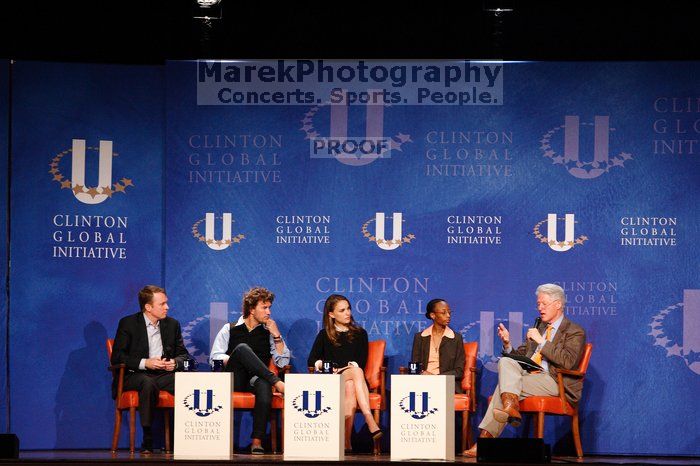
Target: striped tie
[537, 357]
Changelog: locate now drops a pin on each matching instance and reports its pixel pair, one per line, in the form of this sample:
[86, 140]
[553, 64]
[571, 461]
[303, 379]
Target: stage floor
[83, 457]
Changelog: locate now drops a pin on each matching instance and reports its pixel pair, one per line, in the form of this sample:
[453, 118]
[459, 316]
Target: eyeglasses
[442, 313]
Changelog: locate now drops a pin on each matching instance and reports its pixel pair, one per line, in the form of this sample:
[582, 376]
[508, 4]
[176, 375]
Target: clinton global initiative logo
[552, 240]
[201, 402]
[565, 151]
[309, 403]
[227, 238]
[379, 236]
[82, 192]
[198, 334]
[416, 404]
[490, 345]
[676, 329]
[350, 150]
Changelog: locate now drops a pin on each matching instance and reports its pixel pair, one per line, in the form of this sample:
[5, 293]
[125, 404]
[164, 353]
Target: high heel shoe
[377, 434]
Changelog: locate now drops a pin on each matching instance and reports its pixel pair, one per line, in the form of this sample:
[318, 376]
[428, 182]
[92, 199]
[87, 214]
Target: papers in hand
[525, 362]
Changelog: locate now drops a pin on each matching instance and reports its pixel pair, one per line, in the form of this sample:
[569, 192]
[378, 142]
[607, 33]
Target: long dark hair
[332, 333]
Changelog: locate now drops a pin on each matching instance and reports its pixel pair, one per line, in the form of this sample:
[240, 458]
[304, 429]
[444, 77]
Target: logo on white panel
[417, 405]
[209, 237]
[201, 402]
[569, 154]
[77, 183]
[310, 404]
[676, 329]
[380, 238]
[552, 238]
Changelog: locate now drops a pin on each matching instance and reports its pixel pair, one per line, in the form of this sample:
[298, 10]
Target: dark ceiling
[146, 31]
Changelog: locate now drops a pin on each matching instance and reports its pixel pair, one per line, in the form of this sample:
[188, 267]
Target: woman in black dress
[344, 343]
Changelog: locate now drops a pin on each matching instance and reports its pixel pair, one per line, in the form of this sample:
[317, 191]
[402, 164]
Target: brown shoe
[510, 412]
[471, 453]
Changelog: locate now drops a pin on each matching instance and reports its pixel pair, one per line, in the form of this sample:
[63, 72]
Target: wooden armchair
[375, 374]
[559, 405]
[130, 400]
[466, 402]
[246, 400]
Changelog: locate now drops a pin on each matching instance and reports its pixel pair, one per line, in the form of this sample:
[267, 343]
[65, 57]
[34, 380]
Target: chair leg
[539, 425]
[282, 430]
[465, 423]
[117, 425]
[577, 435]
[132, 428]
[470, 439]
[273, 430]
[166, 422]
[377, 445]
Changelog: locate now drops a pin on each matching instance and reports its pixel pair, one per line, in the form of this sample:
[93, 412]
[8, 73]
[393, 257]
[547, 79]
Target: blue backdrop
[80, 252]
[602, 154]
[475, 186]
[4, 153]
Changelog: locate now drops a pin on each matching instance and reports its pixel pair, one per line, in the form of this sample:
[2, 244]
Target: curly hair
[255, 295]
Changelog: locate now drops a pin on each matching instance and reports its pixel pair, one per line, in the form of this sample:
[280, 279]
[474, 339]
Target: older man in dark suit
[150, 344]
[556, 343]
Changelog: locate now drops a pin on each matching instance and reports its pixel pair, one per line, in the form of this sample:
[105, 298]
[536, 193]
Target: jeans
[250, 374]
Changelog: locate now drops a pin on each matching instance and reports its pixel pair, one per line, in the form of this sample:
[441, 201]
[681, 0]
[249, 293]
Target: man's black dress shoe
[147, 445]
[257, 450]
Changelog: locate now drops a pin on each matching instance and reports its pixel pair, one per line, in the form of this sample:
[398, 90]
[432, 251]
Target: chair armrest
[571, 372]
[382, 387]
[472, 390]
[311, 369]
[562, 391]
[285, 370]
[118, 371]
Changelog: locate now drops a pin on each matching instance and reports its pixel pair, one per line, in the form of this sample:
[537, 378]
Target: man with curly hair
[246, 348]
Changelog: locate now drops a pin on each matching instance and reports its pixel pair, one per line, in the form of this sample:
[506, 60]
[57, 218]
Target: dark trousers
[250, 374]
[149, 384]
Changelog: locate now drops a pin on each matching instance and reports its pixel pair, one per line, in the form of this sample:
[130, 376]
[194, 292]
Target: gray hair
[555, 291]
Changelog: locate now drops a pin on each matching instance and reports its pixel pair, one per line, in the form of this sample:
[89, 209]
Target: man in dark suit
[150, 344]
[556, 343]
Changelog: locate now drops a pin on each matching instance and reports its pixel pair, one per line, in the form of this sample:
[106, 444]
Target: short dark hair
[430, 307]
[255, 295]
[146, 295]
